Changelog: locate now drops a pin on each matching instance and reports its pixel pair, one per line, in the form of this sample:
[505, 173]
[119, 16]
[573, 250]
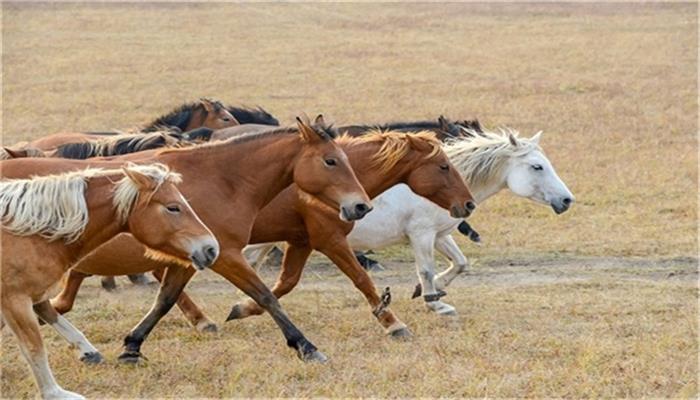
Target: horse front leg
[64, 301]
[232, 266]
[342, 255]
[292, 266]
[189, 308]
[175, 279]
[88, 353]
[423, 249]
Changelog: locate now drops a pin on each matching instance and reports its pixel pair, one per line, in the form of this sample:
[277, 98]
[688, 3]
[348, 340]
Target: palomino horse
[488, 162]
[228, 182]
[380, 160]
[52, 221]
[204, 113]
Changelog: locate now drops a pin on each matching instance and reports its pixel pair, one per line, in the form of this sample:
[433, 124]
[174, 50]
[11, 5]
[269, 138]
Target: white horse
[489, 162]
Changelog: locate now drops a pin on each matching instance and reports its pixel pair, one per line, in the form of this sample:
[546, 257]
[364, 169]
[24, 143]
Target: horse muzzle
[355, 211]
[463, 211]
[562, 204]
[205, 255]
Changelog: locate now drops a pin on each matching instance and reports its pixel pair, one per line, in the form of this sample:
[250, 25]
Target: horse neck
[103, 222]
[197, 118]
[482, 189]
[257, 169]
[373, 181]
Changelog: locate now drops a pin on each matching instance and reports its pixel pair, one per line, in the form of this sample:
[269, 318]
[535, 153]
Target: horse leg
[192, 312]
[342, 255]
[18, 314]
[423, 248]
[292, 266]
[232, 266]
[88, 353]
[447, 246]
[64, 301]
[108, 283]
[174, 281]
[255, 254]
[139, 279]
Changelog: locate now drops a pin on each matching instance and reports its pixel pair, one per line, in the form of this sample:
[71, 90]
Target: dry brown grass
[613, 86]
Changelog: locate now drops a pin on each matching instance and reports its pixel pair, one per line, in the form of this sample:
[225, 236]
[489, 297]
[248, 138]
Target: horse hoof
[236, 313]
[400, 334]
[141, 280]
[315, 356]
[92, 358]
[448, 313]
[417, 291]
[131, 357]
[207, 327]
[109, 284]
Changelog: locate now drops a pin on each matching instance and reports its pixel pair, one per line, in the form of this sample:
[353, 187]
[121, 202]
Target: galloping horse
[50, 222]
[228, 182]
[204, 113]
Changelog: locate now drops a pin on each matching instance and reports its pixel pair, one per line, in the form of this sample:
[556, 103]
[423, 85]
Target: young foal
[51, 222]
[228, 183]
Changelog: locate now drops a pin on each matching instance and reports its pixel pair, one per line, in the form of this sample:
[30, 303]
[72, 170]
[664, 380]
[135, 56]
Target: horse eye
[330, 162]
[226, 119]
[173, 208]
[537, 167]
[445, 167]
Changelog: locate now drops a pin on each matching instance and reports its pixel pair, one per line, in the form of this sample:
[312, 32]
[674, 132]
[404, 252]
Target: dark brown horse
[227, 183]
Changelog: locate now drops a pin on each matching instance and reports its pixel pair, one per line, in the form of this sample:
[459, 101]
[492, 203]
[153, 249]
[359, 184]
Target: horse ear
[308, 134]
[444, 123]
[418, 143]
[142, 181]
[512, 140]
[207, 104]
[23, 153]
[319, 120]
[536, 139]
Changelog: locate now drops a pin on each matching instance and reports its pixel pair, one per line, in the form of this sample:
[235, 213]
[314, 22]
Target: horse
[50, 222]
[228, 182]
[204, 113]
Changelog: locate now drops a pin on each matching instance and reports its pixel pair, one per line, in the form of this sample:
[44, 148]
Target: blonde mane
[55, 207]
[484, 155]
[395, 146]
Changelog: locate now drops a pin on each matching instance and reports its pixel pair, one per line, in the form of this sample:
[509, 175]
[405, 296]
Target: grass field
[599, 302]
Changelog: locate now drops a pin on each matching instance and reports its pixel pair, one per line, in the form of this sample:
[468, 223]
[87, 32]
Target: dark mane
[179, 117]
[247, 115]
[443, 127]
[123, 144]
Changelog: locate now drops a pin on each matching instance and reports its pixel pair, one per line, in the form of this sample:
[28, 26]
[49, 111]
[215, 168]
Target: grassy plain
[598, 302]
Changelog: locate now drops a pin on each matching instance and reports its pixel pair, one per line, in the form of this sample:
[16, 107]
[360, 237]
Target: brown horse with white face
[205, 113]
[228, 183]
[50, 222]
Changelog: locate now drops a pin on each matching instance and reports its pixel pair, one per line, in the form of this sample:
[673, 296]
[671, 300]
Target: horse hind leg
[64, 301]
[447, 246]
[88, 353]
[192, 312]
[19, 316]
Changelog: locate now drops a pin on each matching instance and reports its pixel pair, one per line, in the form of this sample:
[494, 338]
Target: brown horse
[204, 113]
[380, 160]
[52, 221]
[228, 183]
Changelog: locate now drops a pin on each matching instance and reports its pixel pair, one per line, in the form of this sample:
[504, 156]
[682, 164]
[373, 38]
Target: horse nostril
[361, 208]
[471, 206]
[567, 201]
[210, 252]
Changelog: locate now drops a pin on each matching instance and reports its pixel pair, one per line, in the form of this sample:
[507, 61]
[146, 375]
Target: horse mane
[54, 206]
[249, 115]
[179, 117]
[399, 126]
[326, 131]
[484, 154]
[395, 145]
[120, 144]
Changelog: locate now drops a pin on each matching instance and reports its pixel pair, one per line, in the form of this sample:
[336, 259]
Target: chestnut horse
[204, 113]
[228, 183]
[380, 160]
[52, 221]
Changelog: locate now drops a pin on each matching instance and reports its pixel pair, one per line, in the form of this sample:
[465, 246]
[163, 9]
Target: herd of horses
[210, 186]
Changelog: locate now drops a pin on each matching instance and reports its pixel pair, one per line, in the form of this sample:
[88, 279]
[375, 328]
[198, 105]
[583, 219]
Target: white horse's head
[531, 175]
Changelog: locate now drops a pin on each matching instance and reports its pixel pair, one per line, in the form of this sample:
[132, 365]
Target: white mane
[54, 206]
[484, 156]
